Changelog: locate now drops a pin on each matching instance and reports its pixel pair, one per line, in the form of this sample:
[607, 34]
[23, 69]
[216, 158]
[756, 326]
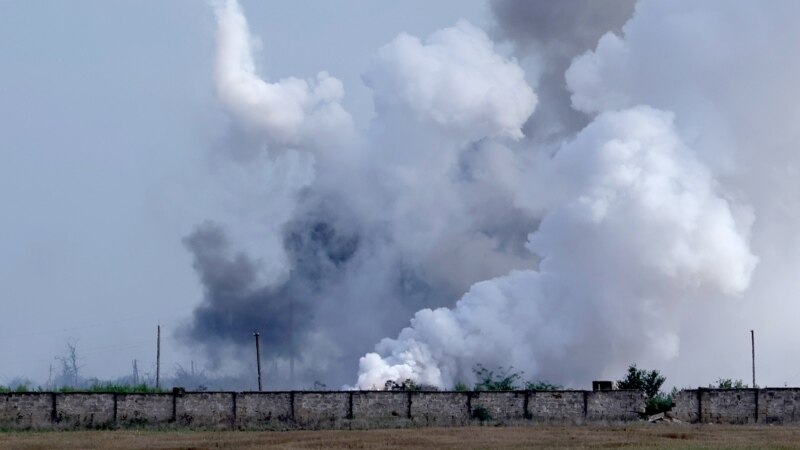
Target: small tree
[648, 381]
[69, 366]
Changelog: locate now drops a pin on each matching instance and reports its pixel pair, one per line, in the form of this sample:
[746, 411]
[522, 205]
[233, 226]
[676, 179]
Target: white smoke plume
[455, 80]
[288, 111]
[636, 228]
[566, 259]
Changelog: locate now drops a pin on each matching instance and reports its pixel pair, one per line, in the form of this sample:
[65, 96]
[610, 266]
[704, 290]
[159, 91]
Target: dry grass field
[557, 437]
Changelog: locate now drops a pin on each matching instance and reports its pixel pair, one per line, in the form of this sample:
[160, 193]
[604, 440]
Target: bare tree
[69, 365]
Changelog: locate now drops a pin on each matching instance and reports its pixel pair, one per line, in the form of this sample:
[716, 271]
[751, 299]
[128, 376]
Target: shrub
[659, 403]
[502, 380]
[115, 388]
[461, 387]
[408, 385]
[542, 386]
[481, 414]
[727, 383]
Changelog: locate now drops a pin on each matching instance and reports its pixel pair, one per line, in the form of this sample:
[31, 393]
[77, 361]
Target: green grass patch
[115, 389]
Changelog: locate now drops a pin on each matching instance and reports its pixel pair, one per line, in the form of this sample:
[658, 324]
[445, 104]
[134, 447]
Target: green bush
[461, 387]
[4, 389]
[727, 383]
[542, 386]
[658, 404]
[502, 380]
[481, 414]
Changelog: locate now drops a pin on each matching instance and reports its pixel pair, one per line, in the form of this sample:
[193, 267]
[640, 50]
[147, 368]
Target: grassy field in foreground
[669, 436]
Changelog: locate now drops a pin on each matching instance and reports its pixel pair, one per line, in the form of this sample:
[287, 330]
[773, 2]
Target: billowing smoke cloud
[404, 217]
[454, 80]
[548, 35]
[288, 111]
[636, 228]
[634, 209]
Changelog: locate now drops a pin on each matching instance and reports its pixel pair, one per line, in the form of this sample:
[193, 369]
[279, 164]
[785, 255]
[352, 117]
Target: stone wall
[558, 406]
[614, 406]
[259, 411]
[739, 406]
[316, 410]
[82, 410]
[26, 411]
[380, 409]
[144, 409]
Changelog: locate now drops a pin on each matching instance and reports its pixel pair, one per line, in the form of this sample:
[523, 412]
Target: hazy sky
[107, 116]
[567, 187]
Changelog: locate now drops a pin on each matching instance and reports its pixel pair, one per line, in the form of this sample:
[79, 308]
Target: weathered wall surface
[686, 406]
[557, 406]
[739, 406]
[503, 407]
[314, 410]
[377, 409]
[439, 409]
[778, 406]
[321, 409]
[264, 411]
[614, 406]
[26, 411]
[77, 410]
[205, 409]
[381, 409]
[145, 410]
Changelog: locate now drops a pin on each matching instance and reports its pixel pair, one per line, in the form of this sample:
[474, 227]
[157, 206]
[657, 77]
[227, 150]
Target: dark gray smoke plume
[371, 228]
[554, 32]
[568, 264]
[236, 303]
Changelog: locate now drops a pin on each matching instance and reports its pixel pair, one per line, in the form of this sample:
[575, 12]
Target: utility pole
[753, 352]
[258, 357]
[135, 373]
[158, 356]
[291, 342]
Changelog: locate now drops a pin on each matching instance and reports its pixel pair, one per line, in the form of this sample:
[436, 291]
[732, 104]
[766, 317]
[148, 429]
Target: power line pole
[291, 342]
[158, 356]
[753, 352]
[258, 357]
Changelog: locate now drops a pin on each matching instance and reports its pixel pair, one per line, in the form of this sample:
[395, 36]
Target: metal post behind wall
[258, 357]
[158, 357]
[753, 351]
